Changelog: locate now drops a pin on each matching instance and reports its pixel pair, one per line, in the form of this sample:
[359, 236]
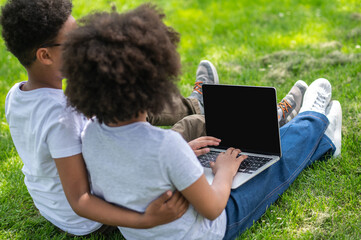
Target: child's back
[42, 128]
[133, 164]
[129, 63]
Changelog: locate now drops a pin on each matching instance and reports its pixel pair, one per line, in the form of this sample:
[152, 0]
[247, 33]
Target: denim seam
[317, 117]
[329, 141]
[283, 184]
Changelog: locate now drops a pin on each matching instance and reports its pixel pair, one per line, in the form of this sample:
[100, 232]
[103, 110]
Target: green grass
[265, 43]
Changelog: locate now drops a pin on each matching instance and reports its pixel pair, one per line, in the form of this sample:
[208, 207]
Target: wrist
[224, 176]
[226, 172]
[145, 221]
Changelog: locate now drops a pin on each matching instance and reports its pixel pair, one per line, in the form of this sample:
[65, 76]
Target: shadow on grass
[283, 65]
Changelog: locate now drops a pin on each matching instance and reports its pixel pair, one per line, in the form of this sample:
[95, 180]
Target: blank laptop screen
[243, 117]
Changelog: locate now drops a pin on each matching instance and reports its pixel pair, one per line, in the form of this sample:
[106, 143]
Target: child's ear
[43, 56]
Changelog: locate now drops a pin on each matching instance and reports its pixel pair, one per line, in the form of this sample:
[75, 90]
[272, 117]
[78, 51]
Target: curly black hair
[29, 24]
[118, 65]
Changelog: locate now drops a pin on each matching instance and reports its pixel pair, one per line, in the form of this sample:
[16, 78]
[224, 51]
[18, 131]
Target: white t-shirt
[43, 128]
[132, 165]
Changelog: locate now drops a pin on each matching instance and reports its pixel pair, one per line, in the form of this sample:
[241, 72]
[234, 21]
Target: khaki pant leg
[182, 108]
[191, 127]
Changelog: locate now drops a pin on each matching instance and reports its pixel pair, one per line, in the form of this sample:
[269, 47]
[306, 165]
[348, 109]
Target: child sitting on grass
[46, 133]
[118, 67]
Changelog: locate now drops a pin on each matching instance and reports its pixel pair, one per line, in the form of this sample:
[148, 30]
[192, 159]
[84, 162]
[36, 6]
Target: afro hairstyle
[119, 65]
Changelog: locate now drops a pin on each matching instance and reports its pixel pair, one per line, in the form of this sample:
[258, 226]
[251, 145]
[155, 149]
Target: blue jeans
[302, 143]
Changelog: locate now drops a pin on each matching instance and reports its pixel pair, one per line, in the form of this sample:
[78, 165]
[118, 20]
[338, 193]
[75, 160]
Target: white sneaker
[333, 131]
[317, 96]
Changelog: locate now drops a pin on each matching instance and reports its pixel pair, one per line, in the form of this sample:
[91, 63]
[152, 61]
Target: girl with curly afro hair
[120, 65]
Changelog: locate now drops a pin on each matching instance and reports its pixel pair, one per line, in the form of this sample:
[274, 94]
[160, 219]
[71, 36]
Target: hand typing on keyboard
[249, 165]
[228, 162]
[199, 145]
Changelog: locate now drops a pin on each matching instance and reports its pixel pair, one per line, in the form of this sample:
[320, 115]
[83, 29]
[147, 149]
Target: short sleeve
[182, 165]
[63, 137]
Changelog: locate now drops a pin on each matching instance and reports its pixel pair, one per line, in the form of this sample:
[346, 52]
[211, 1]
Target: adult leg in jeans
[302, 142]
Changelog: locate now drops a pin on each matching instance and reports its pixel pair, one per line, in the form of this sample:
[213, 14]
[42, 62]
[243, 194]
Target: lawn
[260, 42]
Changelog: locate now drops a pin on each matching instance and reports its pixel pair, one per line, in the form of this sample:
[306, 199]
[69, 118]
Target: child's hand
[165, 209]
[199, 144]
[228, 162]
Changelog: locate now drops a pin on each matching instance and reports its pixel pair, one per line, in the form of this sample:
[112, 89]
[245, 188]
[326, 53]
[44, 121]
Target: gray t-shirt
[132, 165]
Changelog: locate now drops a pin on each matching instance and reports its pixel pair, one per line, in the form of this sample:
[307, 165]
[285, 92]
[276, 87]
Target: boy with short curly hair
[24, 22]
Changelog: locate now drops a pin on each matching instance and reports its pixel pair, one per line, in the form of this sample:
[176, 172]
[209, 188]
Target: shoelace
[198, 87]
[320, 101]
[284, 105]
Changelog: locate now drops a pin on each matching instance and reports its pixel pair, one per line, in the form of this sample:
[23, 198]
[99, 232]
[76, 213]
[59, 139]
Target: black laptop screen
[243, 117]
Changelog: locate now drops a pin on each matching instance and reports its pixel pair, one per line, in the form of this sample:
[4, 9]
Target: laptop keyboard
[249, 165]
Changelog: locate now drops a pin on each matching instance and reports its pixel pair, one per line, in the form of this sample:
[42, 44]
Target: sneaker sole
[335, 111]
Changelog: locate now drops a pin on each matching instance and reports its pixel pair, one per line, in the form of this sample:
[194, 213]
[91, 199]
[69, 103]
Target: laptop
[243, 117]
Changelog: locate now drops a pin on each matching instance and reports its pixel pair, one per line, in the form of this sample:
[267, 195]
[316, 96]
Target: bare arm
[208, 200]
[74, 178]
